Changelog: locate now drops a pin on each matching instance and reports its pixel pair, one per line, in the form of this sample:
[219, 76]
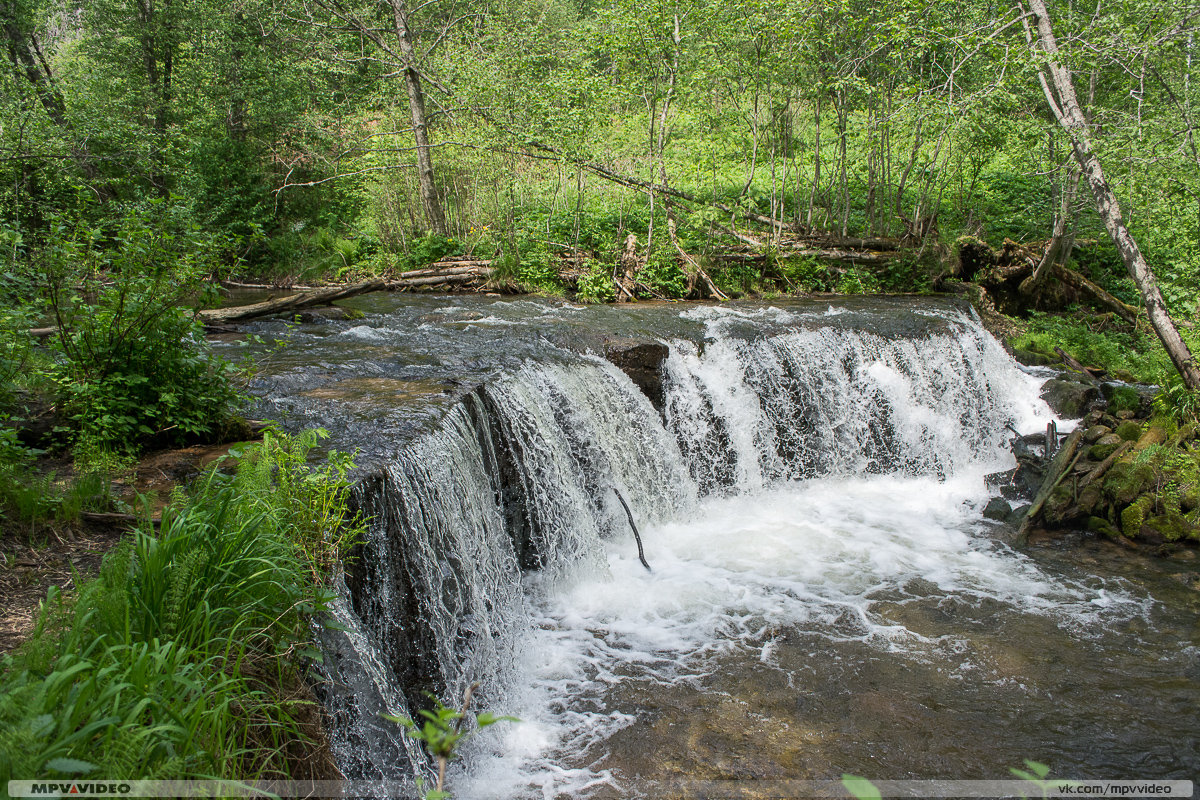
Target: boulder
[997, 509]
[1104, 447]
[642, 361]
[1093, 433]
[1127, 480]
[1069, 399]
[1129, 431]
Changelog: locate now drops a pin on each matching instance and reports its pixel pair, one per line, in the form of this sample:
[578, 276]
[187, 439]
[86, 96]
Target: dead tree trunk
[625, 276]
[1059, 250]
[416, 106]
[317, 297]
[1060, 94]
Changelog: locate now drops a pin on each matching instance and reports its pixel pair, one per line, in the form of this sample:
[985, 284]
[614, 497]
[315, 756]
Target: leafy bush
[663, 274]
[1138, 354]
[134, 361]
[596, 286]
[1177, 402]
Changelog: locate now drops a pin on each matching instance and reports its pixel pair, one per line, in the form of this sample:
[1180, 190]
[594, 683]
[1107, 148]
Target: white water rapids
[805, 488]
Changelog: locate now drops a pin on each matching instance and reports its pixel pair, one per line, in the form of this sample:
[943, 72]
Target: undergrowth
[1094, 342]
[176, 660]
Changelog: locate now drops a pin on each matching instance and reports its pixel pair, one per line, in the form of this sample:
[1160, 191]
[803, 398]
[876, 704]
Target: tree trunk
[1060, 94]
[1058, 252]
[416, 106]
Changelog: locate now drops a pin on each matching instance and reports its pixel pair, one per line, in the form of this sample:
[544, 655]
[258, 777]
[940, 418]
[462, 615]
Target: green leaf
[71, 765]
[486, 718]
[861, 788]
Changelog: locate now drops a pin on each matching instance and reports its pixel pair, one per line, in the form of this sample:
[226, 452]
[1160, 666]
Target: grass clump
[178, 659]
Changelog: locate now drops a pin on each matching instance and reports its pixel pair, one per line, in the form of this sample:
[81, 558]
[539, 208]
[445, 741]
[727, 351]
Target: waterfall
[510, 499]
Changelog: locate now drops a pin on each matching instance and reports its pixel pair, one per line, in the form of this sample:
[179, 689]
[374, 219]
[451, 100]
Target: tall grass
[178, 659]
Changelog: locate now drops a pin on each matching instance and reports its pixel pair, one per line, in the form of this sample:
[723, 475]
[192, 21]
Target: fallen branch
[1075, 366]
[115, 518]
[692, 266]
[315, 297]
[1105, 465]
[1062, 463]
[637, 536]
[437, 280]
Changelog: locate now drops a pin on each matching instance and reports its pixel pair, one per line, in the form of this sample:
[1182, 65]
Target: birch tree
[1059, 89]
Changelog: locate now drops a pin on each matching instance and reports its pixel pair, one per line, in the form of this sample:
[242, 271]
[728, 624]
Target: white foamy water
[806, 557]
[816, 482]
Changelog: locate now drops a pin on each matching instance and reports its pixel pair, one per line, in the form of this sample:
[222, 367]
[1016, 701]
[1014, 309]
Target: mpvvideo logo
[73, 789]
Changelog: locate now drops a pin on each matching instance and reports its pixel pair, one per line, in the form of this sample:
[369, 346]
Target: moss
[1173, 527]
[1126, 480]
[1133, 517]
[1129, 430]
[1103, 527]
[1101, 450]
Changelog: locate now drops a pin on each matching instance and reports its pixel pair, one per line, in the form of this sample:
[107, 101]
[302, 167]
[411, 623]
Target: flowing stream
[825, 595]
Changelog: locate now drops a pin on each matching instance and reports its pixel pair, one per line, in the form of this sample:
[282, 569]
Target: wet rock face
[1069, 399]
[642, 361]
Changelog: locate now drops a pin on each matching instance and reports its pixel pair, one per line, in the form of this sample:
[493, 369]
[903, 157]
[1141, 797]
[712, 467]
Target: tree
[1059, 89]
[404, 57]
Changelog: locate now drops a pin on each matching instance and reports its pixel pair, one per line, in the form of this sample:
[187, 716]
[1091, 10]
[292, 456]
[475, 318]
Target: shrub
[134, 362]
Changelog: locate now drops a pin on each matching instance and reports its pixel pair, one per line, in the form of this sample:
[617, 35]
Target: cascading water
[810, 495]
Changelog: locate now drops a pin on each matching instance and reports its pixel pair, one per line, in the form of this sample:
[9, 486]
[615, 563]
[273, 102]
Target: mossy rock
[1129, 431]
[1059, 504]
[1103, 527]
[1126, 480]
[1104, 447]
[1121, 398]
[1189, 497]
[1069, 399]
[1090, 500]
[1093, 434]
[1134, 515]
[1172, 527]
[1033, 358]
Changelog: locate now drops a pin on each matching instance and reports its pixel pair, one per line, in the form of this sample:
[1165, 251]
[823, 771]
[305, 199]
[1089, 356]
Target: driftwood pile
[459, 273]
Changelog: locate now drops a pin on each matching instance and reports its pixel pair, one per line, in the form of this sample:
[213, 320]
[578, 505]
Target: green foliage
[174, 662]
[307, 501]
[1176, 401]
[134, 362]
[596, 286]
[663, 274]
[442, 734]
[432, 247]
[807, 274]
[861, 788]
[34, 499]
[1114, 351]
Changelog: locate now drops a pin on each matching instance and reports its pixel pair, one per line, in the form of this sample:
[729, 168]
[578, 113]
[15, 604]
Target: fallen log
[436, 280]
[1060, 466]
[115, 518]
[1075, 366]
[481, 267]
[1072, 278]
[315, 297]
[1105, 465]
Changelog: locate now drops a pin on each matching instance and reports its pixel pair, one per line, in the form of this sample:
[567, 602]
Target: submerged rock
[997, 509]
